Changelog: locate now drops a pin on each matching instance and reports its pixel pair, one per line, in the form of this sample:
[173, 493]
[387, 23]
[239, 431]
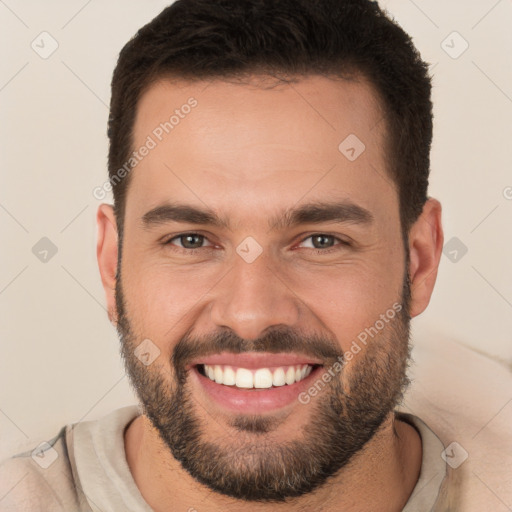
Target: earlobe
[425, 247]
[106, 253]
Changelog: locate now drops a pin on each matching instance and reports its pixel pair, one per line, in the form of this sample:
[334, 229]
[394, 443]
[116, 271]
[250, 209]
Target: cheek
[160, 298]
[347, 299]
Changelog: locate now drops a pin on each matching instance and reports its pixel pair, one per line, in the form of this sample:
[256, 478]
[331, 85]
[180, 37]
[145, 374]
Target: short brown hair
[205, 39]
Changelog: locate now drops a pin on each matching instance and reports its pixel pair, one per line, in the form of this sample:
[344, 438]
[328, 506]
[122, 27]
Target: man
[271, 237]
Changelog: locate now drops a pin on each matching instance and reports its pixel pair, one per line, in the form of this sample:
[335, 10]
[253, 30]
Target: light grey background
[59, 361]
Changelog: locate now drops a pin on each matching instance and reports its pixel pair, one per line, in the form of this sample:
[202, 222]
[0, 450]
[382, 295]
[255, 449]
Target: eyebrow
[310, 213]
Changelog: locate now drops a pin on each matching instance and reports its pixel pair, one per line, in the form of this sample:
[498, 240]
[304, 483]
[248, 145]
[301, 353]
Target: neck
[380, 477]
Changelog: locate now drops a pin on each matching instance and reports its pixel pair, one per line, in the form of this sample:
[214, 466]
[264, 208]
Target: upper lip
[252, 360]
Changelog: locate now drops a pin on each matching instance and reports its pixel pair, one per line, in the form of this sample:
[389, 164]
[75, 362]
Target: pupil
[322, 239]
[190, 238]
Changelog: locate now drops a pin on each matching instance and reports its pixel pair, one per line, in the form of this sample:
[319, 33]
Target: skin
[248, 153]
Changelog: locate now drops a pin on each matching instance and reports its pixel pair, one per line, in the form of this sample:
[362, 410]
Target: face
[261, 262]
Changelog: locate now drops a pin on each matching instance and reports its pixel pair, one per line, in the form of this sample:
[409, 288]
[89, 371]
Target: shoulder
[465, 398]
[40, 479]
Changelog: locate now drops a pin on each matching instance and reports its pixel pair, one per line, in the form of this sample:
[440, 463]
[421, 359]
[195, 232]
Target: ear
[425, 246]
[106, 252]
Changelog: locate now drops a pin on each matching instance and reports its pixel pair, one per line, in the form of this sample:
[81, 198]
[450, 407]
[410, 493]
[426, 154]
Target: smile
[260, 378]
[252, 383]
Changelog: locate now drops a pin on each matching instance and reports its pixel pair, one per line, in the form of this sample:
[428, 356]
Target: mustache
[277, 340]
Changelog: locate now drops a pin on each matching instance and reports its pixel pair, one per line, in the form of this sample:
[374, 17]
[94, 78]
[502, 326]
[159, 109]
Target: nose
[253, 297]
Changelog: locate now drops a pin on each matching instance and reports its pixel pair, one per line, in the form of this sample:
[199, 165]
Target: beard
[251, 465]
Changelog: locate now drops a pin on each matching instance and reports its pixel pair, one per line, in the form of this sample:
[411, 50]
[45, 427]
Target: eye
[321, 242]
[324, 243]
[188, 241]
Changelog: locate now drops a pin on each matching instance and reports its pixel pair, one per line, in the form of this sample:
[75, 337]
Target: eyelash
[342, 243]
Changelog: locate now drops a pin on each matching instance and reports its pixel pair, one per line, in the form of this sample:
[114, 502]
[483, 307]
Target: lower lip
[253, 401]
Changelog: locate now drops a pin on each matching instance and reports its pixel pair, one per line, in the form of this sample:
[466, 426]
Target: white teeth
[229, 376]
[290, 375]
[261, 378]
[278, 377]
[244, 378]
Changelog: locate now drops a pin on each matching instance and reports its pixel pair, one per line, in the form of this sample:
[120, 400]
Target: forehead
[255, 146]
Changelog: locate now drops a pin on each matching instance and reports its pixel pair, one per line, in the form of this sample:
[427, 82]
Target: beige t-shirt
[83, 469]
